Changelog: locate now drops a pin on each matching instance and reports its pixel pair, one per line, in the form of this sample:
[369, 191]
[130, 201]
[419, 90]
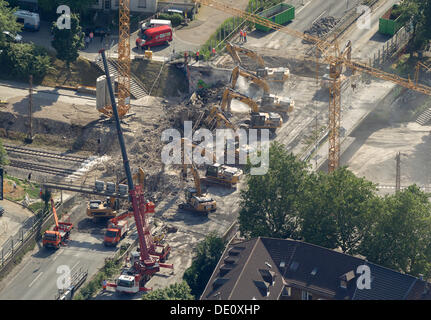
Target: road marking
[277, 31]
[74, 265]
[304, 6]
[35, 279]
[318, 17]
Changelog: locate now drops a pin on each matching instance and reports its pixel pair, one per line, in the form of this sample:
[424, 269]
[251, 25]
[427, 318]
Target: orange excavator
[57, 237]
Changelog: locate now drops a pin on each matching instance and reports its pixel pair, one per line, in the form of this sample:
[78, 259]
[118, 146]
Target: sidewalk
[206, 23]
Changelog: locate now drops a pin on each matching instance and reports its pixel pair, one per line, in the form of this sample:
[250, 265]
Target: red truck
[57, 237]
[117, 229]
[154, 37]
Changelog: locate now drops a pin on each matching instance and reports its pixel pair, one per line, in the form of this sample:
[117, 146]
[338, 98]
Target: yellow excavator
[271, 74]
[258, 120]
[268, 102]
[195, 200]
[216, 173]
[238, 71]
[108, 209]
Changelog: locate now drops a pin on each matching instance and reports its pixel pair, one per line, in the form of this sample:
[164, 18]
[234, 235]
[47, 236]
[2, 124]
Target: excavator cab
[202, 203]
[262, 120]
[220, 173]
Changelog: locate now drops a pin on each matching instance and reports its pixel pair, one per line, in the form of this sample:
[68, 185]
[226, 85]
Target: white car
[11, 37]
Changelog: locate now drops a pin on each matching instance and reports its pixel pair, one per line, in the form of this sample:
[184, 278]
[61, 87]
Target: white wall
[135, 5]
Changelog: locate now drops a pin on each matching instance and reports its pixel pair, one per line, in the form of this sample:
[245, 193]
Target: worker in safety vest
[245, 36]
[213, 52]
[197, 56]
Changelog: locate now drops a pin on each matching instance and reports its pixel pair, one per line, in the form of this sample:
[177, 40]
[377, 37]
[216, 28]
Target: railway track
[43, 154]
[43, 168]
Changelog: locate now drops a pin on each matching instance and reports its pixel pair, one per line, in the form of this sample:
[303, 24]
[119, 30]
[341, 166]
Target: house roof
[260, 268]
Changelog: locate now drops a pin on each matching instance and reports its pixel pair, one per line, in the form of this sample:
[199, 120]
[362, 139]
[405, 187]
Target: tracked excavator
[216, 173]
[196, 201]
[269, 102]
[258, 119]
[271, 74]
[109, 208]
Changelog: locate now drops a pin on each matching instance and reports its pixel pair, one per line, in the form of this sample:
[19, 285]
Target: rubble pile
[322, 26]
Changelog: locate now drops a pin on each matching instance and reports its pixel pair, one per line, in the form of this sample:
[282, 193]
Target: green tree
[7, 21]
[418, 12]
[23, 59]
[270, 203]
[49, 7]
[176, 291]
[336, 210]
[67, 42]
[208, 253]
[400, 237]
[3, 155]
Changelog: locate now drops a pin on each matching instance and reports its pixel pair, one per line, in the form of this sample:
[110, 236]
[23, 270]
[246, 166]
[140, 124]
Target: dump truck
[281, 14]
[59, 235]
[389, 23]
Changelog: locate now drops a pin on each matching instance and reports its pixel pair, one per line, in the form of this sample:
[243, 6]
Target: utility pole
[29, 138]
[398, 174]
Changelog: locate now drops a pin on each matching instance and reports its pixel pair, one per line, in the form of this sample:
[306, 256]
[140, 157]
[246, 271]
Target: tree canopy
[67, 42]
[7, 21]
[338, 211]
[418, 12]
[176, 291]
[400, 236]
[208, 253]
[270, 203]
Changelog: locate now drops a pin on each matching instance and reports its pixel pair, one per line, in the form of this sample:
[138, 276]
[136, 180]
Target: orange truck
[117, 229]
[61, 232]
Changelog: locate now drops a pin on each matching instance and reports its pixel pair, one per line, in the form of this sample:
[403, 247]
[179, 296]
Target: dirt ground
[12, 219]
[387, 131]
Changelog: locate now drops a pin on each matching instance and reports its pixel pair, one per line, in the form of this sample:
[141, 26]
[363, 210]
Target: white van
[30, 20]
[155, 23]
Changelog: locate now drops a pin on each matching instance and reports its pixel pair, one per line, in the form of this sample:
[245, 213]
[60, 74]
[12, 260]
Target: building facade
[144, 6]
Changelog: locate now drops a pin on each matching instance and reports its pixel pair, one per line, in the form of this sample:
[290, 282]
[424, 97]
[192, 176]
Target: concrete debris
[322, 26]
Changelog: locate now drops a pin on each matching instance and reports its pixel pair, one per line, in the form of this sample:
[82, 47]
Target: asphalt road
[36, 278]
[305, 16]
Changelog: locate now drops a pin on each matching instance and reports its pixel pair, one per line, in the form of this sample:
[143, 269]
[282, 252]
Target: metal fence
[392, 47]
[27, 230]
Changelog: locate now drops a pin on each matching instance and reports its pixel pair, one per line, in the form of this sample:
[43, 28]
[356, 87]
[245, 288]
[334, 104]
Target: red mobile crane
[57, 237]
[149, 259]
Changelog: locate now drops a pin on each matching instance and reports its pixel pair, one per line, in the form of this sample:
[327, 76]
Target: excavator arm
[230, 94]
[196, 177]
[55, 214]
[233, 50]
[237, 71]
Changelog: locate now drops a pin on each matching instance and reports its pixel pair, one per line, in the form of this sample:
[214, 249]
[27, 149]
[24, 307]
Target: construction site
[316, 87]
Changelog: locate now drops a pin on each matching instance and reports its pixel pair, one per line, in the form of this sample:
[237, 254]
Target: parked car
[154, 37]
[154, 23]
[1, 211]
[11, 37]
